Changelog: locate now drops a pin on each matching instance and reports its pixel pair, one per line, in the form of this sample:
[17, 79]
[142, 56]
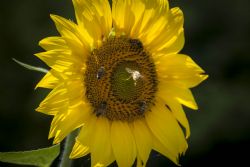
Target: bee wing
[129, 70]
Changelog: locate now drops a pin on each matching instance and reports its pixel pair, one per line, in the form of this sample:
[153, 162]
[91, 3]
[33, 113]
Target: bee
[136, 42]
[101, 109]
[100, 72]
[134, 74]
[142, 106]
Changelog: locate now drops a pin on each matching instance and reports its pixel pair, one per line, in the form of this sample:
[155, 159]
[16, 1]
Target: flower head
[118, 76]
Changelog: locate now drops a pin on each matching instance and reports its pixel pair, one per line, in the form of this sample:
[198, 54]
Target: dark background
[217, 38]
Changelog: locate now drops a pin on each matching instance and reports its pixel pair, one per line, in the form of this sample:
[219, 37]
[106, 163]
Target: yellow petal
[68, 121]
[76, 90]
[152, 25]
[94, 16]
[56, 120]
[170, 38]
[101, 150]
[182, 95]
[123, 144]
[79, 150]
[55, 101]
[179, 113]
[75, 112]
[159, 29]
[67, 28]
[134, 17]
[161, 148]
[79, 53]
[166, 129]
[59, 60]
[70, 31]
[127, 15]
[120, 17]
[48, 81]
[143, 141]
[149, 34]
[83, 141]
[159, 4]
[139, 162]
[76, 40]
[51, 43]
[147, 18]
[180, 70]
[72, 40]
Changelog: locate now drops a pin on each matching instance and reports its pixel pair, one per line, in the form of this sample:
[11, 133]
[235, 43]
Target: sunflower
[117, 75]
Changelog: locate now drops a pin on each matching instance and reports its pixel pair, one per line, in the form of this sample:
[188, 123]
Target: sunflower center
[126, 81]
[120, 79]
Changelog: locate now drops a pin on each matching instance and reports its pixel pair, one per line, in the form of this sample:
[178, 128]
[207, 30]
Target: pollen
[120, 79]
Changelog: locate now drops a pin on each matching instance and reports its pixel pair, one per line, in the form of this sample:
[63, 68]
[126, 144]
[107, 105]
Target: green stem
[69, 142]
[30, 67]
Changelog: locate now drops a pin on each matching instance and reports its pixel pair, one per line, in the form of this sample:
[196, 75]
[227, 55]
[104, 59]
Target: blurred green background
[217, 37]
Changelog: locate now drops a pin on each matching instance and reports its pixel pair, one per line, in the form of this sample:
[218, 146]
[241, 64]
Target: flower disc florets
[120, 79]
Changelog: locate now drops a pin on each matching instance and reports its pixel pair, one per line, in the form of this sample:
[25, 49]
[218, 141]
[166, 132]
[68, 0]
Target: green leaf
[41, 157]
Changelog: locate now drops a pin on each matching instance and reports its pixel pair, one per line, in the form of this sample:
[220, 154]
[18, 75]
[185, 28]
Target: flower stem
[68, 145]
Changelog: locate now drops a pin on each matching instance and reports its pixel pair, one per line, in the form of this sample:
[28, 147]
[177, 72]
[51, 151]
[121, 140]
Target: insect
[100, 72]
[136, 42]
[101, 109]
[142, 106]
[134, 74]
